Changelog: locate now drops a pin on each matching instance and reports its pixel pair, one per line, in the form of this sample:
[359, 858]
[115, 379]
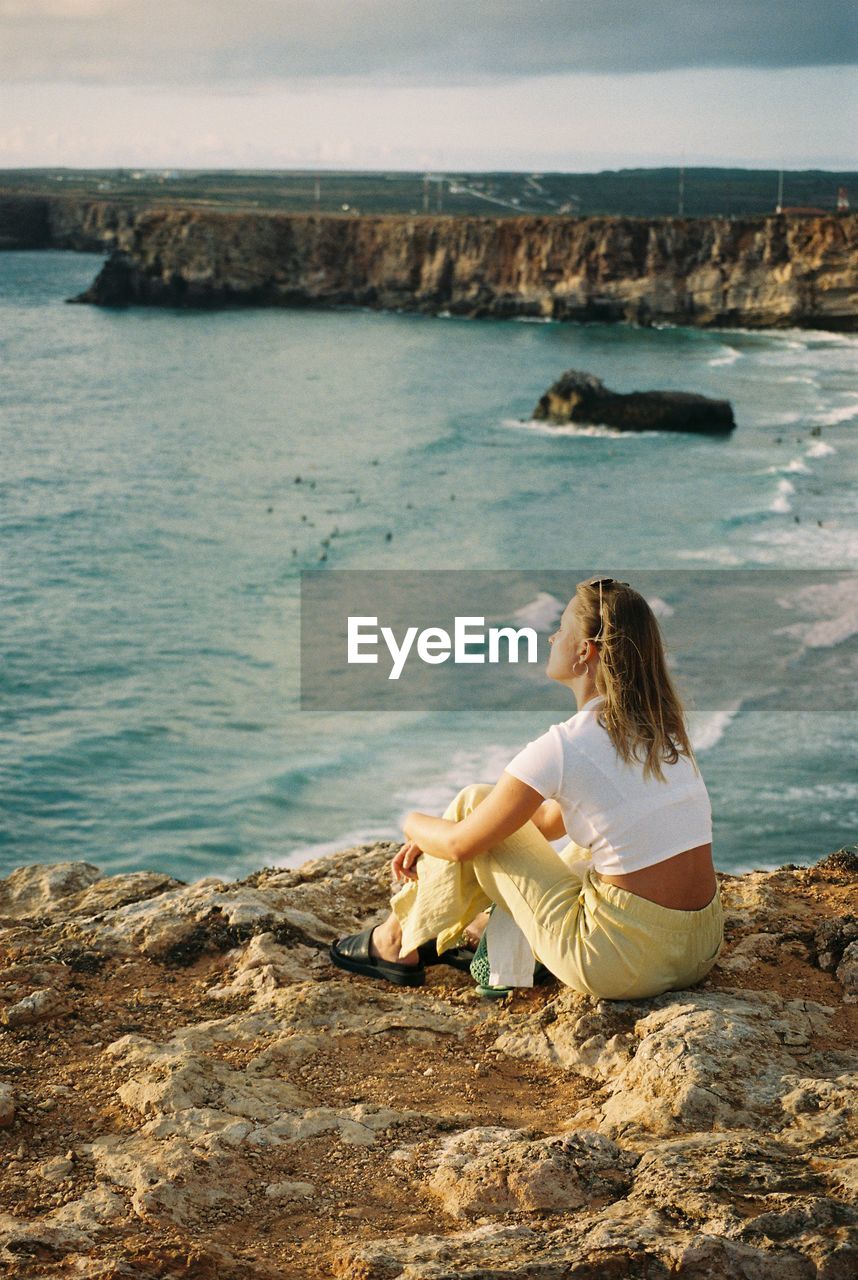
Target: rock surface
[64, 222]
[582, 397]
[202, 1094]
[755, 272]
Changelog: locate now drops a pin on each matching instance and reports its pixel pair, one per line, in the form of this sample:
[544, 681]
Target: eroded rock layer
[753, 272]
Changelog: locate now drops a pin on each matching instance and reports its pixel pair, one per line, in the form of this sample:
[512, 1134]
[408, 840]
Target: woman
[631, 907]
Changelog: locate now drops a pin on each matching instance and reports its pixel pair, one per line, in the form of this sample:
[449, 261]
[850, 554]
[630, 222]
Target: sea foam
[781, 503]
[820, 449]
[831, 610]
[707, 730]
[597, 431]
[541, 613]
[831, 417]
[729, 355]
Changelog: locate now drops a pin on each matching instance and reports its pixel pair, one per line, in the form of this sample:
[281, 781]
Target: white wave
[535, 320]
[831, 609]
[706, 731]
[544, 612]
[541, 613]
[710, 555]
[730, 356]
[354, 836]
[660, 607]
[782, 419]
[571, 429]
[805, 546]
[820, 450]
[844, 413]
[435, 796]
[794, 464]
[484, 764]
[793, 337]
[817, 791]
[825, 338]
[781, 503]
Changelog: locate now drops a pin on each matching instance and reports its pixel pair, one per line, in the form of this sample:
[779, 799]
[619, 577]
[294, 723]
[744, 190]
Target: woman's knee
[468, 799]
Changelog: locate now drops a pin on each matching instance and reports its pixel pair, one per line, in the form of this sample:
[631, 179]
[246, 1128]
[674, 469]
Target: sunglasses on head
[602, 582]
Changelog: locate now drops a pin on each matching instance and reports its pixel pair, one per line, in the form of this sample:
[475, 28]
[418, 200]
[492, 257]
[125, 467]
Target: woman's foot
[475, 930]
[386, 939]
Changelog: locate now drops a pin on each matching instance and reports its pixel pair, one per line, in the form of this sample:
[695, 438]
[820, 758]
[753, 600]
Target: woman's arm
[507, 807]
[549, 820]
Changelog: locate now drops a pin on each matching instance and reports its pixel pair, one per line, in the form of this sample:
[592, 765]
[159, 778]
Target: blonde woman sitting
[631, 907]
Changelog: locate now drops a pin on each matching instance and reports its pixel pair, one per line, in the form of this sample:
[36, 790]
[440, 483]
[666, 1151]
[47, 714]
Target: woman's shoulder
[586, 722]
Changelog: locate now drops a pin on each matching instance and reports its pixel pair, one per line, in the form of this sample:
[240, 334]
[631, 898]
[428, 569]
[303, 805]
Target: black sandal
[352, 954]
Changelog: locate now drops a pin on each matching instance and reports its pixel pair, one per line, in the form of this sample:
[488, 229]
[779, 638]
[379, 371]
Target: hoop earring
[575, 664]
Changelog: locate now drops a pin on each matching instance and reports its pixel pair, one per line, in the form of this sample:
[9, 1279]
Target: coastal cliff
[756, 272]
[64, 222]
[750, 272]
[190, 1088]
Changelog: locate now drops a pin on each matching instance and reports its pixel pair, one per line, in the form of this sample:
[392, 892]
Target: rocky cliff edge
[189, 1088]
[753, 272]
[775, 271]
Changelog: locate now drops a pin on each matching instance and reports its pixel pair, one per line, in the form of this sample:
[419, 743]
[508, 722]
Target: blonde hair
[642, 711]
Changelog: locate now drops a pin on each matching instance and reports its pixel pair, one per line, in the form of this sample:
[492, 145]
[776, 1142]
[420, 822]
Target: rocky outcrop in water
[189, 1088]
[582, 397]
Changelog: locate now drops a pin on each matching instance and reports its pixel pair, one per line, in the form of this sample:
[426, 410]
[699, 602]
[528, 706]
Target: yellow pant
[592, 935]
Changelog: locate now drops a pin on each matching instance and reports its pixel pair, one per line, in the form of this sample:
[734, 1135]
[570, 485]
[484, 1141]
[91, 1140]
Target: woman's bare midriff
[685, 882]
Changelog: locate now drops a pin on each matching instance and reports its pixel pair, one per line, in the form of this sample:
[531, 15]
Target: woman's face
[566, 647]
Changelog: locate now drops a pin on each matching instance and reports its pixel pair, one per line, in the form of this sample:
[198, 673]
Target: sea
[167, 475]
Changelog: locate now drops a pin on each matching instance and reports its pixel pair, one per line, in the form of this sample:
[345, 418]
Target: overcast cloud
[449, 84]
[207, 42]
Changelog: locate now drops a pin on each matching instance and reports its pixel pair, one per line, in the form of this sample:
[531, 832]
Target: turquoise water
[153, 532]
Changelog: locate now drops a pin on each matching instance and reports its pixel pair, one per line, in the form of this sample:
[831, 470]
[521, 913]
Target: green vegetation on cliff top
[624, 192]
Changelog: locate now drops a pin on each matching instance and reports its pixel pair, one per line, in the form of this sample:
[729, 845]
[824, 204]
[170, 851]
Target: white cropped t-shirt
[607, 807]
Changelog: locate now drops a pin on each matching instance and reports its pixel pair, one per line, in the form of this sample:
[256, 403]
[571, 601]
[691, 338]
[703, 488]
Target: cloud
[795, 118]
[247, 43]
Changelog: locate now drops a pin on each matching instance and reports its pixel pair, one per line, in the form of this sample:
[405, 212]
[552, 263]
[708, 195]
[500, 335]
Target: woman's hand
[402, 865]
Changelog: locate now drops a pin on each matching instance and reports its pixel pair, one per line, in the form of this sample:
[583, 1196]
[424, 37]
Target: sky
[447, 85]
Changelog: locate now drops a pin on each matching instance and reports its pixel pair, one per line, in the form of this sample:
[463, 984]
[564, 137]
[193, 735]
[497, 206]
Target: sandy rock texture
[188, 1087]
[761, 271]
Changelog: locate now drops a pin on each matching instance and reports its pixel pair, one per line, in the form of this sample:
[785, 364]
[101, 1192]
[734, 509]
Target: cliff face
[769, 271]
[63, 222]
[757, 272]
